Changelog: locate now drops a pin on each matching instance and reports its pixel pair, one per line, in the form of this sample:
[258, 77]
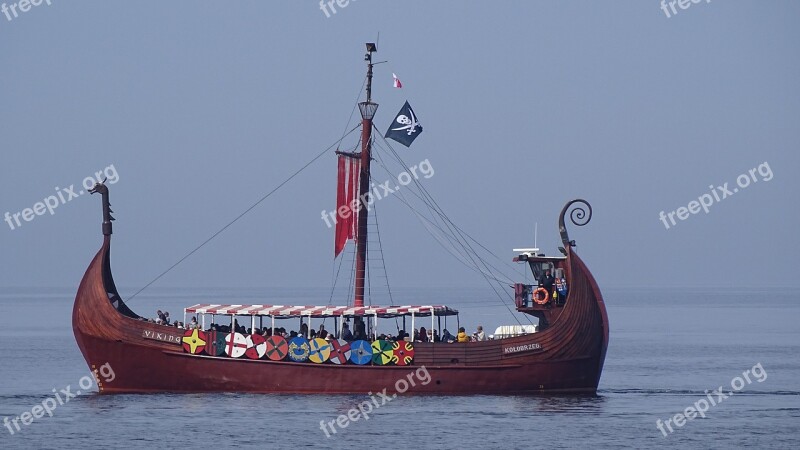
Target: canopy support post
[433, 330]
[184, 317]
[413, 330]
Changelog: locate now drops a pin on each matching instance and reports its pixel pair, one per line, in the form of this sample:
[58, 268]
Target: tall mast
[367, 109]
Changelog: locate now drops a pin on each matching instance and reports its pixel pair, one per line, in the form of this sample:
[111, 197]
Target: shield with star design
[194, 341]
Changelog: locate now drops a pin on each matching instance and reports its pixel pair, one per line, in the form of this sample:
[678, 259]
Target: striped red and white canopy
[284, 311]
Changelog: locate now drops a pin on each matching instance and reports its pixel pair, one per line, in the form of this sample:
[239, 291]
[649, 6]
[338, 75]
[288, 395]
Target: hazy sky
[203, 107]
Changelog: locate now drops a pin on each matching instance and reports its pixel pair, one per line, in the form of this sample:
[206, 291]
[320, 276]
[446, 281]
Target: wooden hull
[145, 357]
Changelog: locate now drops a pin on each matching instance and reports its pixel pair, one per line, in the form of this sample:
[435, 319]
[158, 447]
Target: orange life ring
[544, 299]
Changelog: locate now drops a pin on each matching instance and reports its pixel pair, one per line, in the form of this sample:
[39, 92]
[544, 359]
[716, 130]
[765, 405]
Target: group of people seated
[432, 336]
[162, 318]
[420, 335]
[267, 331]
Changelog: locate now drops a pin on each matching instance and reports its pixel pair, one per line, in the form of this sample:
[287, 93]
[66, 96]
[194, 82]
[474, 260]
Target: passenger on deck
[303, 330]
[322, 332]
[347, 335]
[193, 324]
[423, 335]
[462, 335]
[361, 331]
[447, 337]
[401, 335]
[547, 281]
[480, 335]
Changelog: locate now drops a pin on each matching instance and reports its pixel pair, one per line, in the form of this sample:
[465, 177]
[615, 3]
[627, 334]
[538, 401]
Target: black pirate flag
[405, 127]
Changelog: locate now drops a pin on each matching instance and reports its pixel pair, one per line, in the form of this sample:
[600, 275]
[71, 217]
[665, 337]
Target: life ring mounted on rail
[544, 298]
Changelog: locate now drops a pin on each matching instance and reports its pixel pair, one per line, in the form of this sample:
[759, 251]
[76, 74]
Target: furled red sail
[346, 195]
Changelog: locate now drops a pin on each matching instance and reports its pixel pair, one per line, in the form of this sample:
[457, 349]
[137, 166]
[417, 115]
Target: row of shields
[298, 349]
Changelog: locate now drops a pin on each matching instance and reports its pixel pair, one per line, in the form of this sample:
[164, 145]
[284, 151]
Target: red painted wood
[570, 359]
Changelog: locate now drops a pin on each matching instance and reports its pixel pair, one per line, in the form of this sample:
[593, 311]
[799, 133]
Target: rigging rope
[383, 260]
[236, 219]
[458, 234]
[444, 235]
[456, 227]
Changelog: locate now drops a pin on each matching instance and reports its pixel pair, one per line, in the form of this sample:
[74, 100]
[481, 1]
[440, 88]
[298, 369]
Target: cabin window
[539, 267]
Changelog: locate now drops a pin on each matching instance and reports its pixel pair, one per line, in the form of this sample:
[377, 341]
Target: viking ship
[565, 353]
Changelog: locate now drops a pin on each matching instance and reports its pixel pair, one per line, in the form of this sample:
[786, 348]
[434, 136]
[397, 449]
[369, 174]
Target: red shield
[276, 348]
[256, 346]
[403, 353]
[215, 345]
[194, 341]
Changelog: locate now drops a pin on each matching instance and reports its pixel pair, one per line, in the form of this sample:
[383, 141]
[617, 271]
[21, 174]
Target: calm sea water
[667, 348]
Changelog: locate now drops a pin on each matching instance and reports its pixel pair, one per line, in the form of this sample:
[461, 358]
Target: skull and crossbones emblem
[409, 125]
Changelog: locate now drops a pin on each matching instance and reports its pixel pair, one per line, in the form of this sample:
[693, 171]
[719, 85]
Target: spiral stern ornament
[579, 215]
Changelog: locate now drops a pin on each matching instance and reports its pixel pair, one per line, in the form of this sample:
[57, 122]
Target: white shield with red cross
[340, 351]
[235, 345]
